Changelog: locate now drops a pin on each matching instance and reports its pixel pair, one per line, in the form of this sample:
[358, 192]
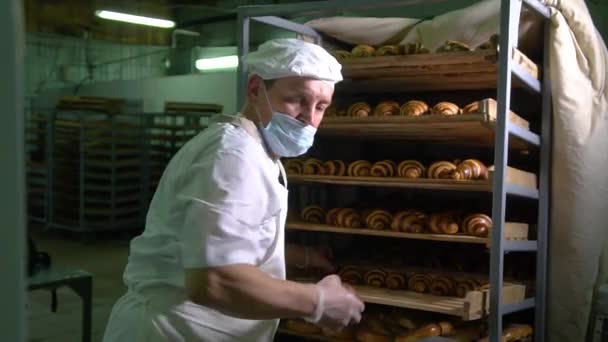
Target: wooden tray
[465, 70]
[466, 129]
[513, 176]
[317, 337]
[511, 230]
[474, 306]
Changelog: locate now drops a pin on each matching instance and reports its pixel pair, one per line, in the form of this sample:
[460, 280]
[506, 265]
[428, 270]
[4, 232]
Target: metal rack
[504, 130]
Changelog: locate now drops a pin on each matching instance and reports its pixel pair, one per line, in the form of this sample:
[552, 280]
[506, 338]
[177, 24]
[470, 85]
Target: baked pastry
[359, 109]
[313, 166]
[396, 281]
[367, 335]
[472, 107]
[441, 170]
[467, 333]
[414, 48]
[313, 214]
[429, 330]
[384, 168]
[513, 333]
[411, 169]
[302, 327]
[477, 225]
[375, 277]
[349, 218]
[363, 50]
[491, 44]
[351, 275]
[335, 168]
[420, 283]
[331, 218]
[443, 286]
[452, 46]
[388, 50]
[348, 333]
[446, 108]
[293, 166]
[414, 108]
[466, 285]
[386, 108]
[342, 54]
[409, 221]
[444, 223]
[378, 219]
[470, 169]
[359, 168]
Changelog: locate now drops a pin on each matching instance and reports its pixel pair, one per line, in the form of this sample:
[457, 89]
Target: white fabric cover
[578, 71]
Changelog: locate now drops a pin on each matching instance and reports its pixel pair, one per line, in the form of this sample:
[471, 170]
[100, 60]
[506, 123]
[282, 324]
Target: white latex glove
[337, 306]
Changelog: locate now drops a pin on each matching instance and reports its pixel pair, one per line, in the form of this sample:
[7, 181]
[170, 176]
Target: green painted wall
[599, 13]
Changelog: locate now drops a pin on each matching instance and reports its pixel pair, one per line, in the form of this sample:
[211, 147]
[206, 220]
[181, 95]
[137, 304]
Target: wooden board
[173, 107]
[511, 230]
[513, 176]
[466, 129]
[425, 72]
[317, 337]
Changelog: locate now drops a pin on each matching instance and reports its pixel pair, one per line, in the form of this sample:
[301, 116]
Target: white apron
[165, 314]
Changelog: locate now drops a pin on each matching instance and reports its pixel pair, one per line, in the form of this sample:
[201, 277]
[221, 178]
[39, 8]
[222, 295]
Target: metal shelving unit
[505, 132]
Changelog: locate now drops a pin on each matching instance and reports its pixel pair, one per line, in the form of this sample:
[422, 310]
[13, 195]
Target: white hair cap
[293, 57]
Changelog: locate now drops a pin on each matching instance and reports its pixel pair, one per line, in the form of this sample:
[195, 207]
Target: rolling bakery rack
[494, 127]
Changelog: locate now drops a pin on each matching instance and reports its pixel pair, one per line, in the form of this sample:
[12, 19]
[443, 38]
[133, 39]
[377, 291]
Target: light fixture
[135, 19]
[217, 63]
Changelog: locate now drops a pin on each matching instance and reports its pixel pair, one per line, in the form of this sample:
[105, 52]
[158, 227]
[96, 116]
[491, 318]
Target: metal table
[81, 282]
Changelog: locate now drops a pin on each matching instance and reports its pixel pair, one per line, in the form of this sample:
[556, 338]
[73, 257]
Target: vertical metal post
[50, 138]
[113, 183]
[544, 201]
[243, 22]
[81, 176]
[509, 18]
[12, 183]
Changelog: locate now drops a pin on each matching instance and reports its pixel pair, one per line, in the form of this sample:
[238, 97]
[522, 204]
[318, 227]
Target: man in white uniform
[210, 265]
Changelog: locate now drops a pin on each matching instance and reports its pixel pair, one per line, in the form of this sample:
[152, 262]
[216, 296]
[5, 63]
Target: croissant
[411, 49]
[443, 286]
[441, 170]
[386, 108]
[378, 219]
[351, 275]
[514, 333]
[477, 225]
[359, 168]
[359, 109]
[313, 214]
[446, 108]
[430, 330]
[335, 168]
[342, 54]
[491, 44]
[452, 45]
[388, 50]
[420, 283]
[313, 166]
[332, 110]
[363, 50]
[444, 223]
[409, 221]
[349, 218]
[345, 334]
[465, 286]
[384, 168]
[331, 218]
[470, 169]
[472, 107]
[367, 335]
[414, 108]
[395, 281]
[293, 166]
[411, 169]
[302, 327]
[375, 277]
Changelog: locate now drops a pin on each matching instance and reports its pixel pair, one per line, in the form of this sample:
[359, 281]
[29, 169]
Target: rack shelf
[512, 231]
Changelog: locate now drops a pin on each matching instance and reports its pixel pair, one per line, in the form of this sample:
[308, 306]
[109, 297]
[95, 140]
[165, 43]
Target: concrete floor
[105, 258]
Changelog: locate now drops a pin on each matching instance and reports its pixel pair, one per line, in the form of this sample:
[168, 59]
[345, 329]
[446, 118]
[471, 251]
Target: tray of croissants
[383, 324]
[392, 111]
[443, 171]
[413, 221]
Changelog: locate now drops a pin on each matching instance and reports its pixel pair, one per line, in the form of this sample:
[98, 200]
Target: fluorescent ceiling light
[226, 62]
[135, 19]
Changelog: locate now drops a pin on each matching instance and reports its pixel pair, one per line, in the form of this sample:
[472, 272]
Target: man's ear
[254, 85]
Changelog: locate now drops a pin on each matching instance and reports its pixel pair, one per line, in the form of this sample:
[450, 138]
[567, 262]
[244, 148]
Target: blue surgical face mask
[285, 135]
